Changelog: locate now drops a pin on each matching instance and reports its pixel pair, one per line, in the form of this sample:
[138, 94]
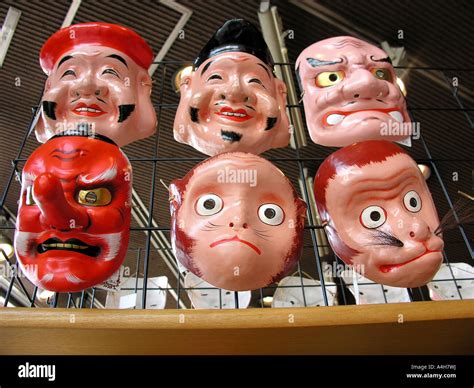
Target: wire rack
[310, 285]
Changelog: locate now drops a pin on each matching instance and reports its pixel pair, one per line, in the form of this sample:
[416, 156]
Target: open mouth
[235, 238]
[238, 115]
[388, 268]
[72, 244]
[335, 117]
[88, 110]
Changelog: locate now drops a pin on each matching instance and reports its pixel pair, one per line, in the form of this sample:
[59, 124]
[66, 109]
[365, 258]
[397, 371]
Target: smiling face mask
[378, 214]
[232, 101]
[97, 75]
[73, 220]
[351, 93]
[231, 227]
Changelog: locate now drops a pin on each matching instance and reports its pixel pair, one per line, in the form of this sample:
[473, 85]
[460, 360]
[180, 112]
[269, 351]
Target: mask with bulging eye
[74, 216]
[230, 227]
[351, 94]
[378, 214]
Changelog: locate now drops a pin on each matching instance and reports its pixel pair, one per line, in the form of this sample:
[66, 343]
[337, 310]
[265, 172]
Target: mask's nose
[56, 211]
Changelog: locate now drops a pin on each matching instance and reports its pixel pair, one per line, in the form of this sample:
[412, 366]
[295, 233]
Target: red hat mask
[231, 227]
[232, 101]
[351, 93]
[74, 216]
[97, 74]
[378, 213]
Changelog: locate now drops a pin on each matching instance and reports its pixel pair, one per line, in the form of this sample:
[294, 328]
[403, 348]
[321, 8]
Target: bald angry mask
[350, 93]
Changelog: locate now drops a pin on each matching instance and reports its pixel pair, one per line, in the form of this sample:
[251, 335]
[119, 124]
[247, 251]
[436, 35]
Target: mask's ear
[174, 198]
[146, 124]
[282, 136]
[182, 120]
[40, 128]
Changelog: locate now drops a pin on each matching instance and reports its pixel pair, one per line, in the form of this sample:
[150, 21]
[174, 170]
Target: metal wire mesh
[310, 275]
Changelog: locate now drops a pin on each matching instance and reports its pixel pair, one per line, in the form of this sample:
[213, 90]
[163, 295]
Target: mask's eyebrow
[316, 62]
[266, 69]
[105, 177]
[386, 59]
[64, 59]
[118, 57]
[206, 67]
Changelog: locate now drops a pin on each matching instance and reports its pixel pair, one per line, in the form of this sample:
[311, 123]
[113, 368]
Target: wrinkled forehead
[339, 47]
[237, 61]
[70, 156]
[380, 179]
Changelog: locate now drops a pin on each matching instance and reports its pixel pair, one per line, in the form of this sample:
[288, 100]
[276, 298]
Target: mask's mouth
[236, 239]
[93, 110]
[72, 244]
[238, 115]
[335, 117]
[391, 267]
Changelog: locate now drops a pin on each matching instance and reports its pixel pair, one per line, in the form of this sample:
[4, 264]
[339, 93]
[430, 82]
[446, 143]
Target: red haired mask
[231, 227]
[379, 214]
[74, 216]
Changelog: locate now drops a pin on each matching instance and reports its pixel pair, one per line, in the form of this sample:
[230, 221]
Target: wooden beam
[407, 328]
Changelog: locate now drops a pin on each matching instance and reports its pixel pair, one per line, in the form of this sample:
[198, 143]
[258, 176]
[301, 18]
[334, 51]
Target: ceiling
[434, 37]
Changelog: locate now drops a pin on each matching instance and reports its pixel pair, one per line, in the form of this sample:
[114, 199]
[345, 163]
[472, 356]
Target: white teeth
[88, 110]
[334, 119]
[397, 116]
[233, 114]
[61, 245]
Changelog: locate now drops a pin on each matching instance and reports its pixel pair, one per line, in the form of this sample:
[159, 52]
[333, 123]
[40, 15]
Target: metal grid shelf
[346, 292]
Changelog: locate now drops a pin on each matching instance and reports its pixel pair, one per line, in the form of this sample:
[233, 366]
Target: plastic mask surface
[379, 213]
[231, 227]
[74, 215]
[98, 77]
[351, 93]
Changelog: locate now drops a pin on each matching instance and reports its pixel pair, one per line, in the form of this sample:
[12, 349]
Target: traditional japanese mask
[378, 213]
[232, 101]
[351, 93]
[97, 75]
[231, 227]
[74, 215]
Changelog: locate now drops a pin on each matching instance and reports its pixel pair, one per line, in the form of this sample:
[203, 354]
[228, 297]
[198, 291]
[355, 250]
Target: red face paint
[74, 216]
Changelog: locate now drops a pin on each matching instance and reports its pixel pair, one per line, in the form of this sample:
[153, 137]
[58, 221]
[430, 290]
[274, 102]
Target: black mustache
[49, 109]
[194, 113]
[383, 238]
[125, 111]
[271, 121]
[230, 136]
[463, 209]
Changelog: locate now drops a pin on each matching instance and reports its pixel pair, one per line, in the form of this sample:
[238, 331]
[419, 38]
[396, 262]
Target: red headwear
[99, 34]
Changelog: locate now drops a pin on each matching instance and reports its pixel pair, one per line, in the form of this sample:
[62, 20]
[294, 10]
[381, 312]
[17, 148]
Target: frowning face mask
[232, 101]
[350, 93]
[74, 216]
[98, 77]
[231, 227]
[379, 214]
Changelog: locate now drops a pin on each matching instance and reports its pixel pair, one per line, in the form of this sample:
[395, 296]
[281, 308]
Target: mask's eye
[95, 197]
[214, 76]
[271, 214]
[111, 71]
[383, 74]
[329, 78]
[256, 81]
[373, 217]
[209, 204]
[68, 72]
[29, 196]
[412, 201]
